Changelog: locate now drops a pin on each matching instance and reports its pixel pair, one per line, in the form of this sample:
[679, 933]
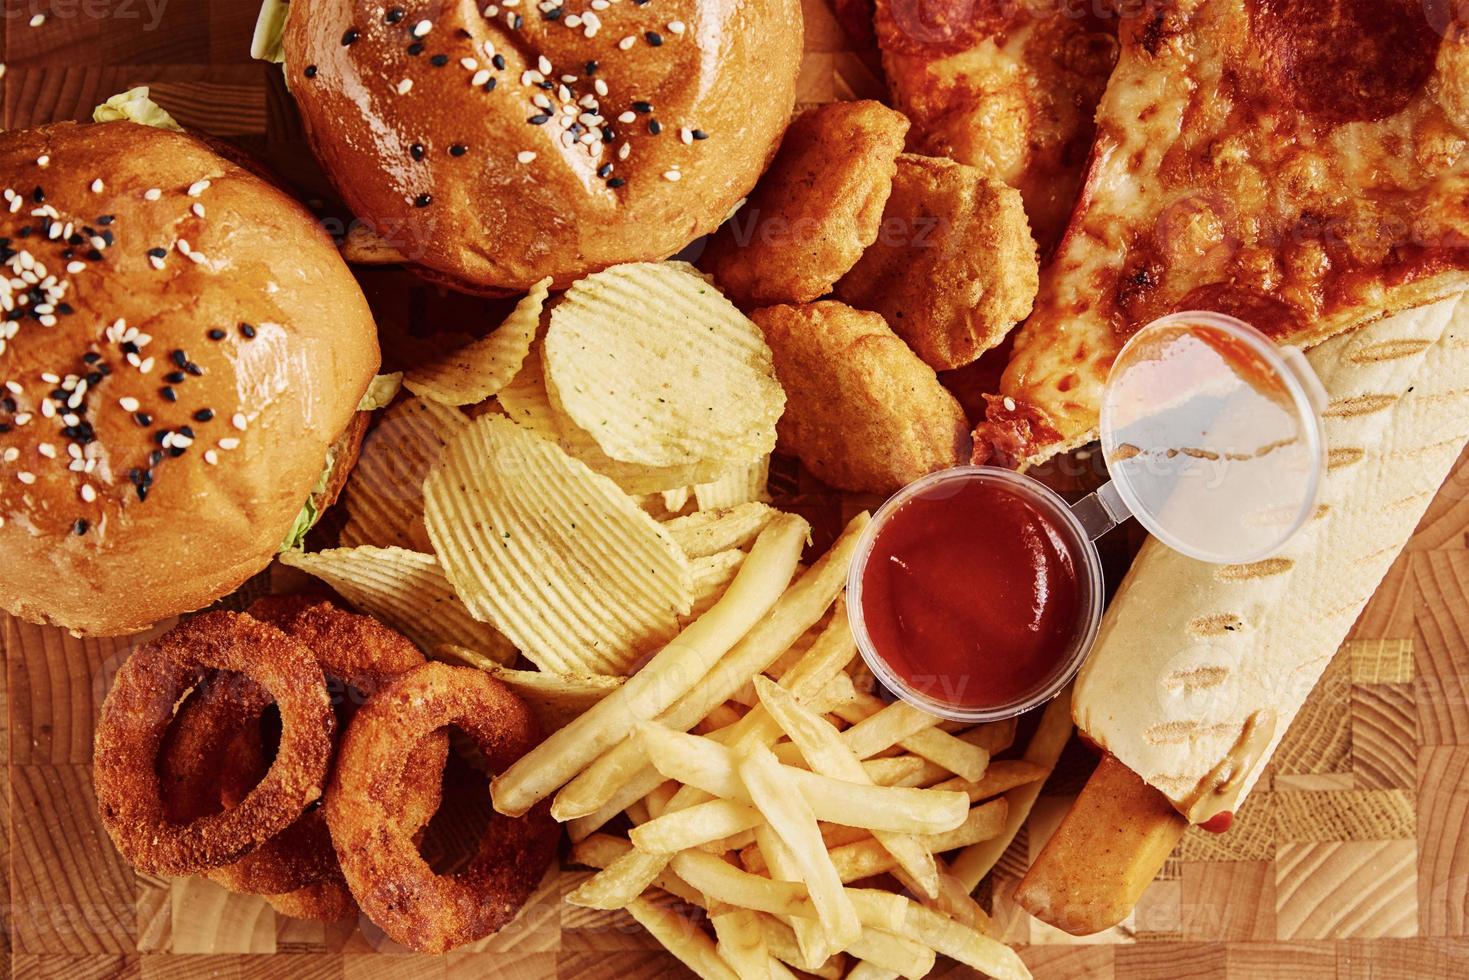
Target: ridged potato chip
[662, 370]
[552, 554]
[742, 485]
[708, 532]
[405, 589]
[475, 372]
[531, 403]
[555, 699]
[384, 495]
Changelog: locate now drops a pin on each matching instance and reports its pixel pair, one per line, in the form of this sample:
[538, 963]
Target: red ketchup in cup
[976, 595]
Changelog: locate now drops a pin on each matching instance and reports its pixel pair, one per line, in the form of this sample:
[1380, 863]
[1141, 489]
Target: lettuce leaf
[383, 389]
[310, 513]
[269, 26]
[135, 106]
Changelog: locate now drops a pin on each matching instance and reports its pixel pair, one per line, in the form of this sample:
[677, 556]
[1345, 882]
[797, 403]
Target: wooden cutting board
[1351, 859]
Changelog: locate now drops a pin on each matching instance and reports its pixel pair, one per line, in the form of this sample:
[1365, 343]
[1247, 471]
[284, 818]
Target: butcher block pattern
[1350, 860]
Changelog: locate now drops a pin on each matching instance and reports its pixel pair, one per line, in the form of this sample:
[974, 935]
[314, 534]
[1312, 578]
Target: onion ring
[135, 719]
[217, 750]
[325, 901]
[391, 881]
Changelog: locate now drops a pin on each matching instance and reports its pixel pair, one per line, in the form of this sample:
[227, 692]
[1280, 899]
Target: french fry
[671, 673]
[805, 602]
[657, 801]
[880, 772]
[704, 763]
[780, 939]
[902, 956]
[681, 937]
[621, 882]
[878, 727]
[741, 944]
[601, 851]
[886, 728]
[723, 882]
[694, 826]
[830, 755]
[870, 971]
[1000, 777]
[812, 941]
[780, 802]
[721, 716]
[1044, 750]
[957, 941]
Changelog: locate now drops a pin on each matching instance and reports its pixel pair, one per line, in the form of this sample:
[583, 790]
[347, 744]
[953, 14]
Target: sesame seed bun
[438, 141]
[170, 384]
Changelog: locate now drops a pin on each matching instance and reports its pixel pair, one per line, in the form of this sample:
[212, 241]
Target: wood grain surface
[1350, 860]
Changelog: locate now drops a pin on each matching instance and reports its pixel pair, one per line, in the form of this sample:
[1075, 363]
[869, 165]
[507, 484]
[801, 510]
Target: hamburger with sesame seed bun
[181, 352]
[493, 143]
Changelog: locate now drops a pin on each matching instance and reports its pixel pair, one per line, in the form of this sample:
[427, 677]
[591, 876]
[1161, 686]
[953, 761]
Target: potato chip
[674, 501]
[712, 575]
[383, 497]
[708, 532]
[529, 401]
[554, 555]
[661, 369]
[742, 485]
[405, 589]
[475, 372]
[555, 699]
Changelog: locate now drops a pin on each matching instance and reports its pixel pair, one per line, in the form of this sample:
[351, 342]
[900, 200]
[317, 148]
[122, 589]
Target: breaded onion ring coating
[391, 881]
[136, 716]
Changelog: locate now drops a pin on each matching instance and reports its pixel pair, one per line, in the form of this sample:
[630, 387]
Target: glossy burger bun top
[184, 345]
[462, 165]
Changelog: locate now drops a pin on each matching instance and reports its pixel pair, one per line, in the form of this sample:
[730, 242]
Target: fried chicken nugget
[954, 267]
[815, 210]
[863, 413]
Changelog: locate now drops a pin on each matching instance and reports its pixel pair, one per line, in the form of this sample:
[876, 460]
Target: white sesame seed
[229, 444]
[1009, 404]
[492, 11]
[422, 28]
[574, 21]
[147, 366]
[73, 450]
[47, 450]
[89, 494]
[468, 64]
[51, 379]
[128, 404]
[26, 477]
[182, 441]
[44, 160]
[686, 135]
[167, 442]
[12, 454]
[90, 465]
[675, 27]
[24, 418]
[198, 258]
[76, 266]
[627, 117]
[404, 86]
[600, 4]
[480, 77]
[155, 262]
[239, 421]
[182, 245]
[600, 87]
[672, 175]
[626, 43]
[48, 410]
[509, 3]
[211, 457]
[198, 187]
[152, 194]
[38, 20]
[14, 387]
[70, 419]
[97, 186]
[525, 156]
[624, 151]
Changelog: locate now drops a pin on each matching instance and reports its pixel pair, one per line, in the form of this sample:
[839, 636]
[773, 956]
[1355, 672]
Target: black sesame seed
[553, 14]
[699, 134]
[91, 357]
[350, 37]
[655, 127]
[247, 331]
[416, 48]
[169, 395]
[93, 255]
[591, 67]
[136, 476]
[175, 377]
[105, 219]
[157, 252]
[539, 119]
[160, 435]
[185, 430]
[516, 22]
[458, 150]
[178, 357]
[142, 493]
[394, 15]
[604, 171]
[204, 415]
[416, 151]
[143, 419]
[4, 426]
[310, 71]
[616, 182]
[176, 451]
[194, 369]
[423, 200]
[547, 85]
[38, 195]
[129, 347]
[216, 334]
[439, 60]
[104, 369]
[81, 526]
[641, 106]
[499, 62]
[9, 403]
[154, 458]
[654, 38]
[608, 134]
[94, 378]
[490, 85]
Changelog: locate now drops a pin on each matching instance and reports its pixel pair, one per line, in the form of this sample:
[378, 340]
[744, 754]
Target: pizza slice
[1300, 164]
[1007, 87]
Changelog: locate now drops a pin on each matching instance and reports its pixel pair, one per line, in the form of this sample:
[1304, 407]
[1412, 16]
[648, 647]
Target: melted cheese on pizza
[1007, 87]
[1297, 163]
